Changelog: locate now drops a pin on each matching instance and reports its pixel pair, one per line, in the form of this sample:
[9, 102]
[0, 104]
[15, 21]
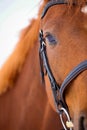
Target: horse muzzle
[80, 121]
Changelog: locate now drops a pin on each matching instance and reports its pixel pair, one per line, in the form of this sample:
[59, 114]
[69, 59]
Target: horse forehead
[54, 16]
[61, 14]
[57, 16]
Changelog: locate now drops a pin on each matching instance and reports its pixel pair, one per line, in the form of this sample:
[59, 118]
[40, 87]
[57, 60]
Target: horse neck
[27, 102]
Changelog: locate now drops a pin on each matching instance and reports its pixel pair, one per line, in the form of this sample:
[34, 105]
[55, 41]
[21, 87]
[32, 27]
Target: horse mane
[12, 67]
[29, 36]
[14, 64]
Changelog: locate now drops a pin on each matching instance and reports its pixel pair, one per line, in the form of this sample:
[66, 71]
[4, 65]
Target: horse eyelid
[50, 39]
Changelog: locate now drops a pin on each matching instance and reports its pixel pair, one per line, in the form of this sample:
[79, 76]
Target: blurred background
[14, 16]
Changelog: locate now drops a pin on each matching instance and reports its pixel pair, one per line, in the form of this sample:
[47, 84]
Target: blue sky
[14, 15]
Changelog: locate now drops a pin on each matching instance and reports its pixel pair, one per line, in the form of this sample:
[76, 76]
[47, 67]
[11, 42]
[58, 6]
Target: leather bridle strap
[44, 64]
[72, 75]
[52, 3]
[58, 91]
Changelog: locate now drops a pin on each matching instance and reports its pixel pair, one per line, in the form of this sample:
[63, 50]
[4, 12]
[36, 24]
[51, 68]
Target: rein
[58, 91]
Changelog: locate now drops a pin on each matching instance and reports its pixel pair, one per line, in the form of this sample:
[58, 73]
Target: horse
[60, 54]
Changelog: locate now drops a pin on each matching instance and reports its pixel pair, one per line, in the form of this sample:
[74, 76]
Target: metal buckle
[68, 124]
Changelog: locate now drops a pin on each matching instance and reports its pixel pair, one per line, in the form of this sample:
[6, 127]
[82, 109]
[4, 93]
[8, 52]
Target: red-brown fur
[69, 26]
[26, 106]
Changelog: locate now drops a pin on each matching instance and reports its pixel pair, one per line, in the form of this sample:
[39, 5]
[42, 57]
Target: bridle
[58, 91]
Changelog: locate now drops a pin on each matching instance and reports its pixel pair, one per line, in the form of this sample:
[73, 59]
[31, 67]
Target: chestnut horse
[31, 104]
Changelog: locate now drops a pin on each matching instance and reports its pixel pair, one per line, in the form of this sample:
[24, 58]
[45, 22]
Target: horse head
[63, 52]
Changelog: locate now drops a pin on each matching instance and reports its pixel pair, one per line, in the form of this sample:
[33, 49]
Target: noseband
[58, 91]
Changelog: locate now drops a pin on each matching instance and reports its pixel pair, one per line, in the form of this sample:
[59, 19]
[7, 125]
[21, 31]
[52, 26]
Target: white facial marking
[84, 9]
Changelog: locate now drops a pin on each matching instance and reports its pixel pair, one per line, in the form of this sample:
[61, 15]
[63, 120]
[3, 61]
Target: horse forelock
[14, 64]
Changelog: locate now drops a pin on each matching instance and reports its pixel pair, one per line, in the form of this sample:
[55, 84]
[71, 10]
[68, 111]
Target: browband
[52, 3]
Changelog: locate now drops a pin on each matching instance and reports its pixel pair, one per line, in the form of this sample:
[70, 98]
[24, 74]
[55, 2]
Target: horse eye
[50, 39]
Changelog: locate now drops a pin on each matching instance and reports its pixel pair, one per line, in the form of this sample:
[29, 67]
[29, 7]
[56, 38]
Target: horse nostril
[83, 123]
